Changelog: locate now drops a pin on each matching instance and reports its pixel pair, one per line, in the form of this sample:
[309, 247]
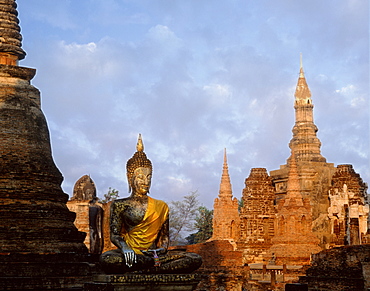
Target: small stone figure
[272, 261]
[95, 227]
[84, 189]
[139, 227]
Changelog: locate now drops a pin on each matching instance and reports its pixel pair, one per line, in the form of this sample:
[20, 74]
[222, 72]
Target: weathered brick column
[34, 214]
[40, 246]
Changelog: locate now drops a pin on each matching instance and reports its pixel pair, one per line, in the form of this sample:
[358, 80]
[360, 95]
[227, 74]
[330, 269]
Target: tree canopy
[182, 217]
[203, 225]
[111, 195]
[189, 222]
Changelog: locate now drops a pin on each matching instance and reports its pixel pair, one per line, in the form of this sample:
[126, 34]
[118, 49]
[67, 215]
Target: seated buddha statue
[139, 228]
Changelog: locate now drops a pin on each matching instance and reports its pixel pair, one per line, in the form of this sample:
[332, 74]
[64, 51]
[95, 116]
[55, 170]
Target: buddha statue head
[139, 170]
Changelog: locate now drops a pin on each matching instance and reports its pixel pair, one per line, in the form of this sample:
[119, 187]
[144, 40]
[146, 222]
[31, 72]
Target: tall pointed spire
[302, 93]
[304, 144]
[225, 185]
[10, 36]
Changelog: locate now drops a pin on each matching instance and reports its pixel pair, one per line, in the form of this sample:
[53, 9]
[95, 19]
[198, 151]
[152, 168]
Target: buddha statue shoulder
[139, 228]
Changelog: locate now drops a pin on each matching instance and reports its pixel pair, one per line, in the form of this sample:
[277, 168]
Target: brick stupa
[294, 242]
[314, 172]
[40, 246]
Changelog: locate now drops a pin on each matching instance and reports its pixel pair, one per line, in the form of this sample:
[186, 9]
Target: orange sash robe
[142, 236]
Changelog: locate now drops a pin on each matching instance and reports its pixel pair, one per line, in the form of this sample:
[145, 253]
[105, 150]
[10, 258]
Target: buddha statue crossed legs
[139, 227]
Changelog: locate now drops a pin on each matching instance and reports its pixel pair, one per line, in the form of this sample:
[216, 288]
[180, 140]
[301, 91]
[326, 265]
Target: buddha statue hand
[130, 257]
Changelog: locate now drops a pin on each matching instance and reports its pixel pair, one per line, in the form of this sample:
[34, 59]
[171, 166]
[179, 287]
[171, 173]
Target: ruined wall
[81, 208]
[257, 216]
[349, 208]
[217, 253]
[222, 267]
[337, 269]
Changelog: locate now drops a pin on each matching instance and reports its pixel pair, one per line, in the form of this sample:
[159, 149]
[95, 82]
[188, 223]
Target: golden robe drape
[142, 236]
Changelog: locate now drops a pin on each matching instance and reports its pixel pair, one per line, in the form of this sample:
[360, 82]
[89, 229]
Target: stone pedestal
[62, 272]
[296, 287]
[140, 282]
[337, 269]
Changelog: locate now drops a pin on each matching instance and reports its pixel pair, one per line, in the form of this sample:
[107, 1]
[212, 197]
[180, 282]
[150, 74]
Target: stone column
[40, 246]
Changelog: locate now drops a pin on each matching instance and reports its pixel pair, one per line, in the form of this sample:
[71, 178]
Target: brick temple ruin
[92, 216]
[308, 218]
[290, 220]
[305, 223]
[307, 205]
[291, 214]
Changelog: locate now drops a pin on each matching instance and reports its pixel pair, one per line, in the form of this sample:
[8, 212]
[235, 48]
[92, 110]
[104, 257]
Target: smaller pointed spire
[225, 185]
[293, 186]
[293, 181]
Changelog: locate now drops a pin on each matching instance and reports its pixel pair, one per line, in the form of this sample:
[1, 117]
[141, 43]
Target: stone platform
[141, 282]
[62, 272]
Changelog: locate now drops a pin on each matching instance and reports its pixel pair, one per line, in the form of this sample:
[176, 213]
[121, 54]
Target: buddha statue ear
[130, 181]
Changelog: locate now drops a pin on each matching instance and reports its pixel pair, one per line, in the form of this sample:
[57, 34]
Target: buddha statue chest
[134, 214]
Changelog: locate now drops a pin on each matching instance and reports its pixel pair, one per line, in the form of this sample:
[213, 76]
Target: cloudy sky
[195, 77]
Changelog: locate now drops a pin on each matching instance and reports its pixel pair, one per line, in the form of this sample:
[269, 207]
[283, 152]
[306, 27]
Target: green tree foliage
[110, 196]
[203, 225]
[240, 204]
[182, 217]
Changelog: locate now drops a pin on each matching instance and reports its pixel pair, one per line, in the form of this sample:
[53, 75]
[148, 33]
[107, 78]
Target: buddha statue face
[141, 180]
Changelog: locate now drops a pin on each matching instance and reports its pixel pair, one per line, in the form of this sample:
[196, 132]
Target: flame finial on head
[140, 145]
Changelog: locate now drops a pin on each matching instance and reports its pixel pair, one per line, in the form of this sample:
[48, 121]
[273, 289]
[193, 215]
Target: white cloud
[91, 59]
[358, 101]
[164, 37]
[74, 48]
[161, 33]
[219, 93]
[352, 94]
[346, 90]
